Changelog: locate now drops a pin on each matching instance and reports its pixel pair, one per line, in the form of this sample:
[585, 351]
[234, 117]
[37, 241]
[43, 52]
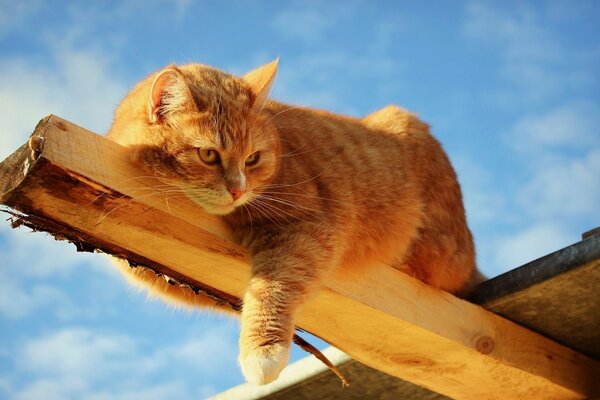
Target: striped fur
[329, 191]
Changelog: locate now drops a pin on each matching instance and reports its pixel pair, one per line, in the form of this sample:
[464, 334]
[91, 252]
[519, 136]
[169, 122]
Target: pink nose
[236, 193]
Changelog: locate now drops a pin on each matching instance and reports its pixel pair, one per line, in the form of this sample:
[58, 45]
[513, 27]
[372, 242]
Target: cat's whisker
[308, 196]
[128, 197]
[276, 115]
[298, 183]
[249, 217]
[269, 205]
[294, 153]
[312, 219]
[264, 211]
[280, 128]
[124, 202]
[119, 186]
[167, 203]
[291, 204]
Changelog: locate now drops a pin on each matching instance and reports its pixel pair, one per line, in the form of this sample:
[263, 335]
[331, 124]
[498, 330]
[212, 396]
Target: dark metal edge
[537, 271]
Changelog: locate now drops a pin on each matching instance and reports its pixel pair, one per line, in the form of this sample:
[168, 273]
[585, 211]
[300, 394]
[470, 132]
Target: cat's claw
[264, 364]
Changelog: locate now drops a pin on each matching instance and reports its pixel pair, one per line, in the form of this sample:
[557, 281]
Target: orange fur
[327, 191]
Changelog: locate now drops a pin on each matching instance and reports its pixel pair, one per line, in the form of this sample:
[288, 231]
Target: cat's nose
[236, 192]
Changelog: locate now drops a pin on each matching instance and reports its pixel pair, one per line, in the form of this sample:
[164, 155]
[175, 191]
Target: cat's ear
[169, 93]
[261, 79]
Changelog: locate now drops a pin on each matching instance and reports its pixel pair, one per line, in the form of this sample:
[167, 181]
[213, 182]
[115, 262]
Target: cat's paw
[264, 364]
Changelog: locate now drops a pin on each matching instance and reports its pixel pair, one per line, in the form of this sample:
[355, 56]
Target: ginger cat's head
[201, 130]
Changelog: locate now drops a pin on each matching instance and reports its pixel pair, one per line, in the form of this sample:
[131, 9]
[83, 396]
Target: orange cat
[304, 190]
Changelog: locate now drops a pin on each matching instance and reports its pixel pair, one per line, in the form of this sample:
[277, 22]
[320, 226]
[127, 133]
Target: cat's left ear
[169, 94]
[261, 79]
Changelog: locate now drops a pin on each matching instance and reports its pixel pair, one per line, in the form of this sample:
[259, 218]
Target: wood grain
[83, 186]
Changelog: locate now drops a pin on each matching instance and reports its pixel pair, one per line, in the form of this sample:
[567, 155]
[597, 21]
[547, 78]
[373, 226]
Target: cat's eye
[208, 156]
[253, 159]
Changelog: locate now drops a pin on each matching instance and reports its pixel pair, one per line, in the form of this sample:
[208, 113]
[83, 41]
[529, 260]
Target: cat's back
[391, 186]
[385, 130]
[389, 145]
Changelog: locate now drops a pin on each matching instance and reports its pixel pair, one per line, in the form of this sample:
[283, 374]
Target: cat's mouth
[219, 208]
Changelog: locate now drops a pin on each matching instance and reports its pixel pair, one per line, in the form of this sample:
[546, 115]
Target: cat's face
[211, 141]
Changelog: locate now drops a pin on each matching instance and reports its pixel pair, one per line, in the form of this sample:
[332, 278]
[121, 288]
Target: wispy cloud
[561, 151]
[571, 125]
[76, 362]
[14, 13]
[553, 138]
[17, 301]
[308, 22]
[77, 352]
[306, 25]
[530, 243]
[484, 201]
[563, 188]
[536, 62]
[75, 84]
[556, 191]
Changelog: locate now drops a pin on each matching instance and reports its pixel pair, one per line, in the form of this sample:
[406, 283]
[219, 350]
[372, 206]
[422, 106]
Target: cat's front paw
[263, 364]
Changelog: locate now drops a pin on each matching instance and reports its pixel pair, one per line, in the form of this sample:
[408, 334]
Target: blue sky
[512, 89]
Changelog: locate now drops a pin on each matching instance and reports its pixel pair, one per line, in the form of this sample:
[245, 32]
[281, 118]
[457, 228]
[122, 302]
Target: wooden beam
[82, 187]
[555, 295]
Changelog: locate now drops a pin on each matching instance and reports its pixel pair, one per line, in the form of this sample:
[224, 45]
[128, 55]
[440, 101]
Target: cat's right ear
[168, 95]
[261, 80]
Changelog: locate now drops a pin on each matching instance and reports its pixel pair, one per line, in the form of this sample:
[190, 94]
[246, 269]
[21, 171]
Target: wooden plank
[309, 379]
[555, 295]
[83, 185]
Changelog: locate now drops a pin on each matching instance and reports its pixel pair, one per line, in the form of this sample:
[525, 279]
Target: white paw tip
[264, 364]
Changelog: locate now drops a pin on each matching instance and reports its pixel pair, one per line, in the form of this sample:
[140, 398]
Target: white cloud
[319, 79]
[564, 187]
[555, 192]
[73, 388]
[483, 201]
[34, 266]
[306, 25]
[5, 387]
[538, 65]
[76, 362]
[75, 84]
[562, 150]
[161, 391]
[39, 255]
[77, 352]
[556, 159]
[215, 346]
[529, 244]
[18, 302]
[517, 32]
[309, 22]
[14, 13]
[78, 85]
[50, 389]
[573, 125]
